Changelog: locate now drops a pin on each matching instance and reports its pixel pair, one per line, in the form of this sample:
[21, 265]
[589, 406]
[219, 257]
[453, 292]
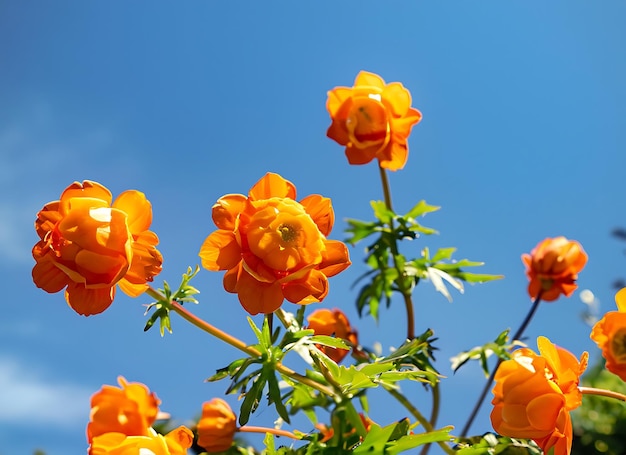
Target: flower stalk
[235, 342]
[406, 293]
[487, 386]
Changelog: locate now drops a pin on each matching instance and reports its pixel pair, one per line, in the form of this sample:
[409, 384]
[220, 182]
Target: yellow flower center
[618, 345]
[283, 235]
[288, 233]
[368, 123]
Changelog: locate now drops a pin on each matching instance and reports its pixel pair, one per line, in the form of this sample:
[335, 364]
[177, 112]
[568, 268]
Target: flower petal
[335, 259]
[88, 301]
[226, 210]
[88, 189]
[47, 218]
[397, 98]
[272, 185]
[137, 208]
[48, 277]
[257, 297]
[311, 290]
[220, 251]
[321, 210]
[365, 78]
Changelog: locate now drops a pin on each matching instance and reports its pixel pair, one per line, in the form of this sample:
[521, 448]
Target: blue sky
[523, 137]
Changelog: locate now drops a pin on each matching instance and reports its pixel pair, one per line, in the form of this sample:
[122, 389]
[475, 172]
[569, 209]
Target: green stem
[406, 293]
[235, 342]
[602, 392]
[434, 414]
[418, 416]
[487, 386]
[263, 430]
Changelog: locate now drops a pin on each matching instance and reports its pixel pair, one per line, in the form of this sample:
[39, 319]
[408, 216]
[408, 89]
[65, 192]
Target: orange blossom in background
[176, 442]
[217, 426]
[553, 266]
[130, 409]
[609, 333]
[373, 120]
[272, 247]
[534, 394]
[88, 245]
[332, 322]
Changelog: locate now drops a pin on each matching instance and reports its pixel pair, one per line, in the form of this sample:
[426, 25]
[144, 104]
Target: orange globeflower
[332, 322]
[373, 120]
[534, 394]
[273, 247]
[217, 426]
[176, 442]
[609, 333]
[553, 266]
[88, 245]
[130, 410]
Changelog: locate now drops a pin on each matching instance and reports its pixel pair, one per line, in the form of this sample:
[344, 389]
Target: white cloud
[29, 399]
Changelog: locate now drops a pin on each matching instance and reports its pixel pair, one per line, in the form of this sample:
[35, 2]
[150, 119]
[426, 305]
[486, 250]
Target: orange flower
[130, 410]
[373, 120]
[609, 333]
[176, 442]
[534, 394]
[88, 245]
[332, 322]
[217, 426]
[553, 266]
[273, 247]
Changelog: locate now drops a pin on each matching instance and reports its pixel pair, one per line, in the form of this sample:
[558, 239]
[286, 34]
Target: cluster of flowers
[275, 248]
[121, 421]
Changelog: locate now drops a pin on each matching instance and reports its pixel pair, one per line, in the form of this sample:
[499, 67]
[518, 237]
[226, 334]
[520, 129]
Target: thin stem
[237, 343]
[274, 431]
[602, 392]
[483, 394]
[418, 416]
[434, 413]
[406, 293]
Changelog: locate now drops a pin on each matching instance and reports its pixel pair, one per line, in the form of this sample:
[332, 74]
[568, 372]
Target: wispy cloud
[28, 398]
[39, 150]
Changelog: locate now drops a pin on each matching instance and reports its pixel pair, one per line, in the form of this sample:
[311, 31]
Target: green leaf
[252, 399]
[421, 209]
[268, 442]
[382, 212]
[442, 254]
[332, 342]
[275, 397]
[360, 230]
[416, 440]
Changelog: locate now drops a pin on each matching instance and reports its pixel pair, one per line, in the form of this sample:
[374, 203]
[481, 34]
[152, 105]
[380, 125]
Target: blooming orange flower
[273, 247]
[176, 442]
[534, 394]
[332, 322]
[88, 245]
[130, 409]
[373, 120]
[609, 333]
[217, 426]
[553, 266]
